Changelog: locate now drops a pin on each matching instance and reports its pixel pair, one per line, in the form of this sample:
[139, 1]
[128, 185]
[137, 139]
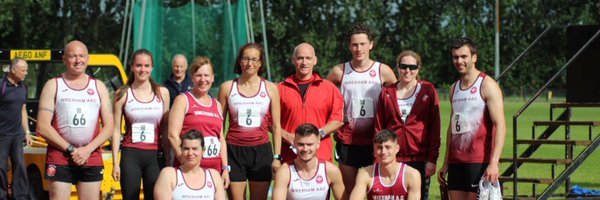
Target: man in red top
[307, 98]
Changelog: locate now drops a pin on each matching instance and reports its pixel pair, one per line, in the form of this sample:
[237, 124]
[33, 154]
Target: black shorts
[354, 155]
[73, 174]
[425, 181]
[250, 162]
[465, 177]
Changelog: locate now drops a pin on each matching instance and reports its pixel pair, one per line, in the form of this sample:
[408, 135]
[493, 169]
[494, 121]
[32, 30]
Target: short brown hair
[359, 28]
[460, 42]
[384, 136]
[200, 61]
[307, 129]
[192, 135]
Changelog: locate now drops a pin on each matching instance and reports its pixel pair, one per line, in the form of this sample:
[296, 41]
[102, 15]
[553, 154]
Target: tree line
[426, 26]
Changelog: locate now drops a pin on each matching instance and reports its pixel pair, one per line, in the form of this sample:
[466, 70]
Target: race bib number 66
[213, 147]
[78, 116]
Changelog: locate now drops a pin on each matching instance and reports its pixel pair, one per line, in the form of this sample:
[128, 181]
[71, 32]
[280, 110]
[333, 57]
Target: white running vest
[405, 105]
[468, 107]
[249, 111]
[77, 112]
[316, 188]
[183, 191]
[360, 91]
[144, 118]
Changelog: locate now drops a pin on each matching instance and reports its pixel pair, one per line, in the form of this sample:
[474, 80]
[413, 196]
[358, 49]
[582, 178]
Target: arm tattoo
[47, 109]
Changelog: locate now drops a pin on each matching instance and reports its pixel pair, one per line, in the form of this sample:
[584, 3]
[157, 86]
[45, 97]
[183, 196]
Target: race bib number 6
[77, 116]
[249, 116]
[459, 123]
[213, 147]
[362, 108]
[142, 132]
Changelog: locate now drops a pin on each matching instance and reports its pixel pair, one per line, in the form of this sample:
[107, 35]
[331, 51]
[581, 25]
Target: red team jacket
[321, 104]
[419, 136]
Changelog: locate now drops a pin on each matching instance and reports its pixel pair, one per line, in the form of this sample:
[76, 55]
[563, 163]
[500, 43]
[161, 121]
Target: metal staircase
[571, 160]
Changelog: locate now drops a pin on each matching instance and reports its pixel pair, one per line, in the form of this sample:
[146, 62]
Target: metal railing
[532, 99]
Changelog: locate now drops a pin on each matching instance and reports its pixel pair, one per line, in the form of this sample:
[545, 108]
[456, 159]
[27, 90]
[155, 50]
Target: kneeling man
[308, 177]
[387, 178]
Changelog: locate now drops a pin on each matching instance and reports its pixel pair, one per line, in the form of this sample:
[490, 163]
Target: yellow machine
[46, 64]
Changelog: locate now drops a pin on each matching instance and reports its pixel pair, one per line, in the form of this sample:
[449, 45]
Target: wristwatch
[322, 133]
[277, 156]
[70, 149]
[228, 168]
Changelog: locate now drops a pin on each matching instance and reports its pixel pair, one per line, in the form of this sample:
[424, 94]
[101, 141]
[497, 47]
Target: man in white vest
[308, 177]
[477, 128]
[71, 106]
[360, 81]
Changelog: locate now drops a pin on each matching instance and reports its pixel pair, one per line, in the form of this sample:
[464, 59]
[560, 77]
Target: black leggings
[139, 164]
[420, 166]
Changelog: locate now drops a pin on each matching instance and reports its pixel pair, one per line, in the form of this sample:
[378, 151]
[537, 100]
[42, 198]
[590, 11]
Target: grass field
[585, 176]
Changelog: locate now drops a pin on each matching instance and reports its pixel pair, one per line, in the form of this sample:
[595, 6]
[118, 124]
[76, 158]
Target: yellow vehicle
[46, 64]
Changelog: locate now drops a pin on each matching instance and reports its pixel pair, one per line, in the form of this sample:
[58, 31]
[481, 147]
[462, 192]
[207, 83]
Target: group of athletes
[387, 128]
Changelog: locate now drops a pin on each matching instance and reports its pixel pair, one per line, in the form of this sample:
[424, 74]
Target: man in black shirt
[14, 129]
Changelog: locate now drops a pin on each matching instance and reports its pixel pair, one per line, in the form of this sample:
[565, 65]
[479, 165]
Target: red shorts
[214, 163]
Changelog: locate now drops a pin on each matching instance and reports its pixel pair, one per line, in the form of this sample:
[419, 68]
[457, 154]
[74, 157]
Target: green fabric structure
[216, 29]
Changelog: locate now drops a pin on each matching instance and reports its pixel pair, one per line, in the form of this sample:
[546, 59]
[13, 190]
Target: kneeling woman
[190, 181]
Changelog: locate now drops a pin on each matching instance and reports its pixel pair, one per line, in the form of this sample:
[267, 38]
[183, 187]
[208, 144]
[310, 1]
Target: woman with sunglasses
[414, 116]
[254, 109]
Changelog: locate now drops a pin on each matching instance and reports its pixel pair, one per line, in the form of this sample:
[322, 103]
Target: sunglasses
[411, 67]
